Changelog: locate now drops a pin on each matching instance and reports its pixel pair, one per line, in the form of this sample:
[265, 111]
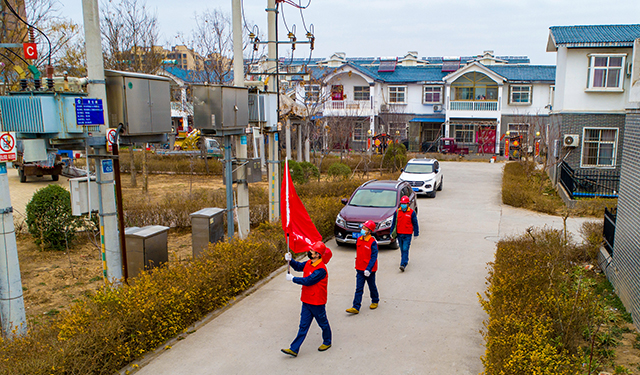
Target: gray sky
[391, 28]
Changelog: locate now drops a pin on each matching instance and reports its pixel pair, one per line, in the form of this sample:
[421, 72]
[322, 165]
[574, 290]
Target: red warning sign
[30, 51]
[7, 147]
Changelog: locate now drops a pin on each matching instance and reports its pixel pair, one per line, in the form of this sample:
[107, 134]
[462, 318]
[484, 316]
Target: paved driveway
[429, 317]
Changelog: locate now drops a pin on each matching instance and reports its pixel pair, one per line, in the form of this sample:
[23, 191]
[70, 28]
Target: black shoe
[402, 268]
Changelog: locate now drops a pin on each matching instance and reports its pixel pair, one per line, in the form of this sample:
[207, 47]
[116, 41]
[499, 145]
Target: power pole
[111, 251]
[241, 141]
[273, 164]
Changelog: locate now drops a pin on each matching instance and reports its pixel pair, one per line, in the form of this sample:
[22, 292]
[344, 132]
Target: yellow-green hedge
[104, 332]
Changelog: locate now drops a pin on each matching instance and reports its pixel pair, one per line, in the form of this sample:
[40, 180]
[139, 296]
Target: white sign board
[79, 196]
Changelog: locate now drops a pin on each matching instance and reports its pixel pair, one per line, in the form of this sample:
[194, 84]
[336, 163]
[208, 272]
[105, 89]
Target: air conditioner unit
[437, 107]
[384, 108]
[571, 140]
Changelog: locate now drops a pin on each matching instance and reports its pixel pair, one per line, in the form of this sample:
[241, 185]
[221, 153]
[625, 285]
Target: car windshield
[374, 198]
[419, 168]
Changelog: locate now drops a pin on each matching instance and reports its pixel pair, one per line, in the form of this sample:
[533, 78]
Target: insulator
[32, 35]
[37, 84]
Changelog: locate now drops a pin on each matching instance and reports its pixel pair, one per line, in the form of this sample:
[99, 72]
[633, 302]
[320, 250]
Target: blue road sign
[107, 166]
[89, 111]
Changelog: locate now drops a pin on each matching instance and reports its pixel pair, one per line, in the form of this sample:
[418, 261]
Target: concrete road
[429, 319]
[21, 193]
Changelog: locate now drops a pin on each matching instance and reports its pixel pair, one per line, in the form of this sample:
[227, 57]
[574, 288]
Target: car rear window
[374, 198]
[419, 168]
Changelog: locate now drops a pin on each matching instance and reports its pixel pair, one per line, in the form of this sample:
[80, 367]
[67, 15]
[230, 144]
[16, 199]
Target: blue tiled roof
[404, 74]
[595, 35]
[534, 73]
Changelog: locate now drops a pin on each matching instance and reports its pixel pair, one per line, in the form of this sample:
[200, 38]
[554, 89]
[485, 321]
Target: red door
[486, 139]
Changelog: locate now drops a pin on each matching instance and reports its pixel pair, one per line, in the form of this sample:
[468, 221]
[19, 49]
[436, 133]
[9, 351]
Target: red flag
[296, 222]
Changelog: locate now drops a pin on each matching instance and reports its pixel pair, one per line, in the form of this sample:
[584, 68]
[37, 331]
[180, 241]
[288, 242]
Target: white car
[424, 175]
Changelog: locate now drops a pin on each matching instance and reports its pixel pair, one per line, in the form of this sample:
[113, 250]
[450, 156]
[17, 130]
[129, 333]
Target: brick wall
[624, 270]
[573, 123]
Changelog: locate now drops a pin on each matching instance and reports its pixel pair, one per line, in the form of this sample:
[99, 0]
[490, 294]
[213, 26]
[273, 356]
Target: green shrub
[339, 170]
[395, 157]
[49, 218]
[527, 187]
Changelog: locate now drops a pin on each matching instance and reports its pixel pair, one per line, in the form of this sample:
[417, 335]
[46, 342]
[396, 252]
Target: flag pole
[289, 250]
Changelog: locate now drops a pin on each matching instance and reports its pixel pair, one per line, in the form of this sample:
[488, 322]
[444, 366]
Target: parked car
[373, 200]
[424, 176]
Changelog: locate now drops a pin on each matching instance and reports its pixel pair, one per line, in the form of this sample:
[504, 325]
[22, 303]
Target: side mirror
[344, 200]
[401, 169]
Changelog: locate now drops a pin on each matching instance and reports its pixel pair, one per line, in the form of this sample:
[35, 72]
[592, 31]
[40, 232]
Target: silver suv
[424, 176]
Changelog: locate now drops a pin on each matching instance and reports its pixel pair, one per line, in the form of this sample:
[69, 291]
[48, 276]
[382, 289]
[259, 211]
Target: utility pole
[110, 244]
[241, 141]
[273, 167]
[12, 313]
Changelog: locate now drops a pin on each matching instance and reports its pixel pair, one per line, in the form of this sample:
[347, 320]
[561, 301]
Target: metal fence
[589, 182]
[609, 231]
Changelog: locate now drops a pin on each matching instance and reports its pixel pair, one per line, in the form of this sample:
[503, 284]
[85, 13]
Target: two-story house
[591, 93]
[475, 99]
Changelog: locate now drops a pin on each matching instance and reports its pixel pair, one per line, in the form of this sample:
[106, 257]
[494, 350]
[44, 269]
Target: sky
[365, 28]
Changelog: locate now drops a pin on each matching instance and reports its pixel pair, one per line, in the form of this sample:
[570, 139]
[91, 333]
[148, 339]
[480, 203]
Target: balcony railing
[349, 106]
[473, 106]
[589, 183]
[609, 229]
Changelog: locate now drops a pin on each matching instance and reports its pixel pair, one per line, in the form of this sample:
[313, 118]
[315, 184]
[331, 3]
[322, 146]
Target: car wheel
[432, 194]
[340, 243]
[55, 177]
[440, 186]
[394, 244]
[23, 178]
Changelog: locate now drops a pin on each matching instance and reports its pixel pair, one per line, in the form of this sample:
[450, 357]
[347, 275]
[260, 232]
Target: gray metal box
[217, 108]
[254, 171]
[207, 226]
[142, 102]
[146, 248]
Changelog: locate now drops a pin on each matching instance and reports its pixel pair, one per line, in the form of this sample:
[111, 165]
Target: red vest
[315, 294]
[403, 222]
[363, 254]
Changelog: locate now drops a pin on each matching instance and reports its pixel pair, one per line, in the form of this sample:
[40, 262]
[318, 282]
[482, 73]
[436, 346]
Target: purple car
[373, 200]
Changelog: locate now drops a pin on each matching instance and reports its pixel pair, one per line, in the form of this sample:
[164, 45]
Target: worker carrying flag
[302, 236]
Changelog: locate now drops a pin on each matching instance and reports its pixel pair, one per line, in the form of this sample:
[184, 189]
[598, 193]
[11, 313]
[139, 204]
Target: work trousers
[308, 313]
[373, 290]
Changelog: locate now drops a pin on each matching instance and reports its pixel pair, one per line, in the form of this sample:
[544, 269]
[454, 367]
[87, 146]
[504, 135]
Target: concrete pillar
[299, 148]
[288, 138]
[110, 241]
[242, 188]
[307, 150]
[12, 313]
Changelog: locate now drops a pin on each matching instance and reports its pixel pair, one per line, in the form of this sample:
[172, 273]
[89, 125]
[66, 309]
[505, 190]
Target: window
[400, 128]
[475, 86]
[464, 133]
[361, 93]
[606, 72]
[397, 94]
[599, 147]
[311, 93]
[359, 131]
[432, 94]
[520, 95]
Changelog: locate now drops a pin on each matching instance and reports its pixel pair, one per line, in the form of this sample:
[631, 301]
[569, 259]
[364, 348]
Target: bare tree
[131, 33]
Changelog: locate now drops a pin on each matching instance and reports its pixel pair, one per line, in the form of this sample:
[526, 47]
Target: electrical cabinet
[207, 226]
[141, 102]
[254, 171]
[146, 248]
[218, 108]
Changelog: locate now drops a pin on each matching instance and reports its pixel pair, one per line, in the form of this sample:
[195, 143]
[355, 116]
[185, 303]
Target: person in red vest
[366, 267]
[314, 282]
[404, 224]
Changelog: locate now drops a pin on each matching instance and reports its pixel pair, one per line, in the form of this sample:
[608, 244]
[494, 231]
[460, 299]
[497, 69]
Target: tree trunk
[145, 170]
[134, 183]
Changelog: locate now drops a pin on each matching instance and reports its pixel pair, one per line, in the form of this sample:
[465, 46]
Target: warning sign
[8, 147]
[111, 138]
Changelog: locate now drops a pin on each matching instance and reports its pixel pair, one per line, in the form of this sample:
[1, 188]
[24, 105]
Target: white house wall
[540, 96]
[572, 83]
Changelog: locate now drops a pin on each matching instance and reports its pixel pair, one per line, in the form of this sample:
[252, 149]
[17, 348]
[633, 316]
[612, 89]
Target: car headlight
[386, 223]
[341, 221]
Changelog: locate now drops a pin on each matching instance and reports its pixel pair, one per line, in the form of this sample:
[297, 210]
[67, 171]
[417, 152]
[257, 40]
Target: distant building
[474, 99]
